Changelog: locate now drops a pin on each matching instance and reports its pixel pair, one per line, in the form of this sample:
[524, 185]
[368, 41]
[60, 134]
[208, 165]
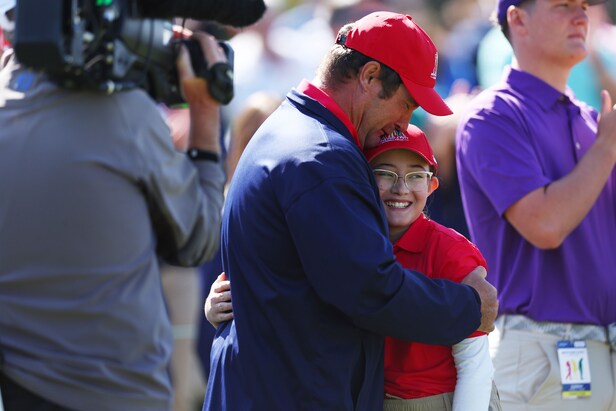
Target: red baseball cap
[396, 41]
[413, 139]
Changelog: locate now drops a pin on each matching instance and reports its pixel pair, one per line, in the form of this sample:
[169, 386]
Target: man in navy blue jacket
[314, 282]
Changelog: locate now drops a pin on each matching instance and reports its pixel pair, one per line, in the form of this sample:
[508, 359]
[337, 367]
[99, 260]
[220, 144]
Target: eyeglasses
[414, 181]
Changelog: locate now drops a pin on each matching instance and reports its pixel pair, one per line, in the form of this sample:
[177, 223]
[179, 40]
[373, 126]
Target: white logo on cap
[433, 75]
[395, 135]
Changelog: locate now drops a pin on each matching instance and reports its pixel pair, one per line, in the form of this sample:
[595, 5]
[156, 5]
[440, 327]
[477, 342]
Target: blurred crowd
[285, 46]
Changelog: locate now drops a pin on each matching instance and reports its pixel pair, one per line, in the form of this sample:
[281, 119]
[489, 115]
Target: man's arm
[186, 200]
[218, 307]
[204, 109]
[350, 264]
[547, 215]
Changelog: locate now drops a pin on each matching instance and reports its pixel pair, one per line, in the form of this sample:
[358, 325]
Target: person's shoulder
[498, 106]
[137, 108]
[292, 145]
[449, 239]
[512, 87]
[137, 97]
[299, 130]
[453, 256]
[494, 97]
[446, 234]
[130, 106]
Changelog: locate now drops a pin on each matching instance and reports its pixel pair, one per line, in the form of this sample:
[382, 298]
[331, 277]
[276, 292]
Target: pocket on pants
[549, 386]
[526, 368]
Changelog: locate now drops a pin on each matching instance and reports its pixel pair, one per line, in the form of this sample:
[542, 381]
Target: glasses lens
[417, 180]
[385, 179]
[414, 181]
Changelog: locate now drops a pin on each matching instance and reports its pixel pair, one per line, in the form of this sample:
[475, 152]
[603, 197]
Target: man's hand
[606, 126]
[488, 295]
[204, 109]
[217, 306]
[194, 89]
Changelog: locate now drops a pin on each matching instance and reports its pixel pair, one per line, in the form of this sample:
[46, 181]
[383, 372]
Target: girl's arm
[475, 373]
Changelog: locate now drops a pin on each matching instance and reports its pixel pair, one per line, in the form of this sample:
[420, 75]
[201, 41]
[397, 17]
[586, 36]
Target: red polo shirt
[414, 370]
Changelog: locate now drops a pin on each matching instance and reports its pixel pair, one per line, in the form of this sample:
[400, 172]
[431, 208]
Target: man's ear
[517, 19]
[368, 73]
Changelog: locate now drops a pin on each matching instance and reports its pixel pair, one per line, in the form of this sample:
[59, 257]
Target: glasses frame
[429, 174]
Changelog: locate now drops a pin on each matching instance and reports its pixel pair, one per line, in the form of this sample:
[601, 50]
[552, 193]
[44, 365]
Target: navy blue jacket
[314, 281]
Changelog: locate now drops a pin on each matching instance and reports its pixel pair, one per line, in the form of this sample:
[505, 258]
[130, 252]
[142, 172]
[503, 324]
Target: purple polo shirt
[515, 137]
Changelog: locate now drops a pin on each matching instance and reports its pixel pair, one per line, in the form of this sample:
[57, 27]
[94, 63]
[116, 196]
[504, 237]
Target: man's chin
[372, 140]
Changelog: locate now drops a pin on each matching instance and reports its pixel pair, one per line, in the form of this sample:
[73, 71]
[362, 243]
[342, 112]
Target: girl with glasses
[420, 376]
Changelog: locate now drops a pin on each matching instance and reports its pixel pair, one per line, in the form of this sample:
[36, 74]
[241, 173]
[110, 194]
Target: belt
[573, 331]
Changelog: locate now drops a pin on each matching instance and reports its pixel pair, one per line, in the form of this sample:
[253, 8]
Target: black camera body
[107, 45]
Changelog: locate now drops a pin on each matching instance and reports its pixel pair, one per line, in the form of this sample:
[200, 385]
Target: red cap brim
[427, 98]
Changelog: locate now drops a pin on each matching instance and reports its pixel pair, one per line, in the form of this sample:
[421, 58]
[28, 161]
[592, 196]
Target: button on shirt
[582, 126]
[517, 136]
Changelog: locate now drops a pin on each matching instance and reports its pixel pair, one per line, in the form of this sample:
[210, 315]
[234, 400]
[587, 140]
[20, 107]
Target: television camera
[115, 45]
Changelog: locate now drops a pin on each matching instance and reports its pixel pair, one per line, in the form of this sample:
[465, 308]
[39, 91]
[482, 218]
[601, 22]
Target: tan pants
[181, 288]
[527, 373]
[441, 402]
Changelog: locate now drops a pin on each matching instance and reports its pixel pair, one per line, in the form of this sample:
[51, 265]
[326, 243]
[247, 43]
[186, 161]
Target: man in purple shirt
[536, 170]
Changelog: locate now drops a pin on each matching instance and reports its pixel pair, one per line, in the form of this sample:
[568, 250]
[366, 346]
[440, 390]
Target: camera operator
[92, 193]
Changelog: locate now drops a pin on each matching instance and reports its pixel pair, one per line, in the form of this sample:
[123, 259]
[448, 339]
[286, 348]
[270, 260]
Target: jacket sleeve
[340, 232]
